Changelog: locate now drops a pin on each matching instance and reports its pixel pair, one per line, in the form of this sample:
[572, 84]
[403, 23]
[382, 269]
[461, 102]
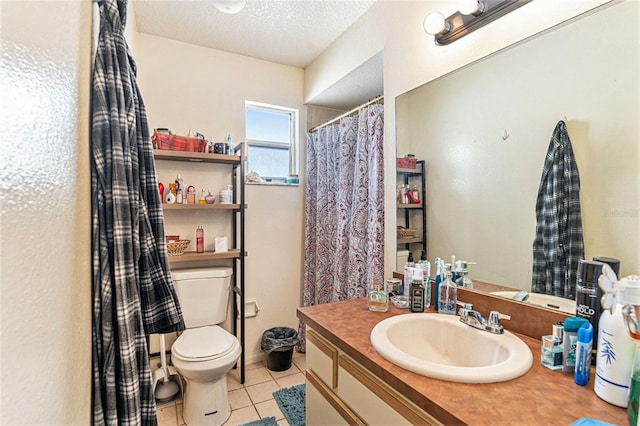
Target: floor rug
[267, 421]
[291, 402]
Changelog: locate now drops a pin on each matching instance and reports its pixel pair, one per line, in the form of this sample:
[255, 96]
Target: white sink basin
[441, 347]
[545, 300]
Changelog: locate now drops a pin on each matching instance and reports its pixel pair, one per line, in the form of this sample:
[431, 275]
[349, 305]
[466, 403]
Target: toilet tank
[203, 294]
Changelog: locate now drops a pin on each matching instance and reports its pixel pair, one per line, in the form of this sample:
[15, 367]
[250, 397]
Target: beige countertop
[541, 396]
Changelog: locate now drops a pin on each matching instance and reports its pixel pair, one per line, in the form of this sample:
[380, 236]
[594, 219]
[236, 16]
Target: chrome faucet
[476, 320]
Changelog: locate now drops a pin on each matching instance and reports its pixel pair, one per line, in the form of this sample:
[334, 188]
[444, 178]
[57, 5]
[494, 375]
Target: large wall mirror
[484, 131]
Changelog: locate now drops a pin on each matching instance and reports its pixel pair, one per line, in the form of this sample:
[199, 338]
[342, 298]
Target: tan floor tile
[242, 416]
[255, 365]
[297, 354]
[292, 370]
[301, 363]
[283, 422]
[262, 391]
[239, 398]
[293, 380]
[256, 375]
[179, 412]
[269, 408]
[167, 416]
[233, 380]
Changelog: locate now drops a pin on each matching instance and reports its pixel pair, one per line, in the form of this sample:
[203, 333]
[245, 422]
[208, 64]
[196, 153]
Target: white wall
[411, 59]
[483, 189]
[45, 180]
[187, 87]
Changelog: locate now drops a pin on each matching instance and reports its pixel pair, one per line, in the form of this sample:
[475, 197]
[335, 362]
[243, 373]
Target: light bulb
[229, 6]
[435, 23]
[470, 7]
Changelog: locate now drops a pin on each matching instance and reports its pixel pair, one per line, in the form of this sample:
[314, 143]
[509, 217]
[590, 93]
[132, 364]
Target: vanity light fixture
[229, 6]
[472, 14]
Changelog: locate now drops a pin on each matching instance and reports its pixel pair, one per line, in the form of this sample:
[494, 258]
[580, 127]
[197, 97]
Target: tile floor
[252, 400]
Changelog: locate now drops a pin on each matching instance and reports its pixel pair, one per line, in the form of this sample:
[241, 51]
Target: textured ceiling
[289, 32]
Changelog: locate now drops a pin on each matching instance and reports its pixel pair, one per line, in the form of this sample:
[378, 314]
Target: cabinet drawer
[323, 407]
[374, 400]
[323, 356]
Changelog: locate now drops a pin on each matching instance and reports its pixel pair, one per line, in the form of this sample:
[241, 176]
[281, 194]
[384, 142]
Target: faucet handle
[465, 308]
[494, 321]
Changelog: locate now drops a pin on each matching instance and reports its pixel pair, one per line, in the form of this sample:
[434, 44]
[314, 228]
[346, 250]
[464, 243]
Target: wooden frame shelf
[214, 206]
[414, 240]
[195, 157]
[190, 256]
[410, 206]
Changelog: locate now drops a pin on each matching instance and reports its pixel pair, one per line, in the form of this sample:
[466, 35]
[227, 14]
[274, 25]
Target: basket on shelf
[406, 232]
[177, 248]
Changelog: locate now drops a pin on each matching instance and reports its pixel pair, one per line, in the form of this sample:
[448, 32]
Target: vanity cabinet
[340, 391]
[413, 215]
[232, 166]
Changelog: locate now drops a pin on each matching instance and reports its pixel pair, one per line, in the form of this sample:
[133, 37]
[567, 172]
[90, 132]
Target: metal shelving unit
[238, 252]
[409, 176]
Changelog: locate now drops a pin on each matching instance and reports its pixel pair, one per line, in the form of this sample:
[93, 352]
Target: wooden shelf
[195, 157]
[409, 206]
[416, 171]
[214, 206]
[409, 240]
[190, 256]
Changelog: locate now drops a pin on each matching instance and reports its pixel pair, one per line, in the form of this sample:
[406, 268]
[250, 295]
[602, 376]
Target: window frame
[292, 146]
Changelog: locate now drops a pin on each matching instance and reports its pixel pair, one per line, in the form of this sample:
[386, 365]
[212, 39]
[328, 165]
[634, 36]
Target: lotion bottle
[614, 363]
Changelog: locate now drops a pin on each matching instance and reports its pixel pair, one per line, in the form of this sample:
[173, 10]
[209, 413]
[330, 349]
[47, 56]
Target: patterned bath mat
[291, 402]
[267, 421]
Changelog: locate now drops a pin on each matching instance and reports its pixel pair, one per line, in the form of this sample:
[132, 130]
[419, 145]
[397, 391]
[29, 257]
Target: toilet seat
[203, 344]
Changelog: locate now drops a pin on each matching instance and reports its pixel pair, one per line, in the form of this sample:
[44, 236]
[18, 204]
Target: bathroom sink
[441, 347]
[545, 300]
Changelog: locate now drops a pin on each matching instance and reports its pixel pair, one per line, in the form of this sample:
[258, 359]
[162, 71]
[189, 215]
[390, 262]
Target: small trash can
[278, 343]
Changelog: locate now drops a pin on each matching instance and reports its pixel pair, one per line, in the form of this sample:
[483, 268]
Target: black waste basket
[278, 343]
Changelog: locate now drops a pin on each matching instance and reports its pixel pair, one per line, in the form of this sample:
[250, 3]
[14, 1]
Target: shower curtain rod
[348, 113]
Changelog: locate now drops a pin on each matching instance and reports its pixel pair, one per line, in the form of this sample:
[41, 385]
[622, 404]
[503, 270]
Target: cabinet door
[374, 401]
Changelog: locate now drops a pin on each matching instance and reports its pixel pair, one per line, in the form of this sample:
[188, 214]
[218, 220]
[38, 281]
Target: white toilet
[204, 352]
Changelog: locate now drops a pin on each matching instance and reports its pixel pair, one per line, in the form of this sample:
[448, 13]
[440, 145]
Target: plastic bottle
[229, 149]
[583, 354]
[416, 302]
[226, 195]
[448, 294]
[179, 189]
[199, 240]
[437, 281]
[425, 267]
[570, 341]
[408, 275]
[614, 363]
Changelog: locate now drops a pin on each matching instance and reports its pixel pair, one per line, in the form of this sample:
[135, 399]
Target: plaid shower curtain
[344, 209]
[133, 293]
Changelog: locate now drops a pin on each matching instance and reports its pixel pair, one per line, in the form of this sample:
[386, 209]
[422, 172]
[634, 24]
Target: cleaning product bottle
[448, 294]
[614, 363]
[425, 267]
[408, 275]
[583, 354]
[416, 302]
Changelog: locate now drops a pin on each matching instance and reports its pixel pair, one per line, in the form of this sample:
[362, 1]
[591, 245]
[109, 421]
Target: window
[272, 136]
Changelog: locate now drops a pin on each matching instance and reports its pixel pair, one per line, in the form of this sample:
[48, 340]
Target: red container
[179, 143]
[406, 163]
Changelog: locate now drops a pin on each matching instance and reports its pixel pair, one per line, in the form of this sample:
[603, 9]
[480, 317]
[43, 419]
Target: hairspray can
[199, 240]
[588, 295]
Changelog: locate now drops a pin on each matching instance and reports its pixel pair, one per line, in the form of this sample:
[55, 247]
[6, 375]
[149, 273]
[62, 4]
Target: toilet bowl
[203, 356]
[204, 352]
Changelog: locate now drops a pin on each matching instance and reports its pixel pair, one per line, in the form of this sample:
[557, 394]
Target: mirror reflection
[484, 130]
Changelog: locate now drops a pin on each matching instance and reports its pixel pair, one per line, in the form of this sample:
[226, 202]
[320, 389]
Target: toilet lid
[203, 342]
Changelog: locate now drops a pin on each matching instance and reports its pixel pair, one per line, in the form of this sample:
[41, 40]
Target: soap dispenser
[448, 294]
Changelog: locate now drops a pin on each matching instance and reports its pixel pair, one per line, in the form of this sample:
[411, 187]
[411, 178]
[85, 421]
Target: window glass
[271, 133]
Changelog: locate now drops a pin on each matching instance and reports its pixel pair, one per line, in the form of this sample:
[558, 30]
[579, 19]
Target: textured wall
[45, 198]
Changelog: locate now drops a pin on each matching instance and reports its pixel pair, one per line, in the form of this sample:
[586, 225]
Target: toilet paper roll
[221, 244]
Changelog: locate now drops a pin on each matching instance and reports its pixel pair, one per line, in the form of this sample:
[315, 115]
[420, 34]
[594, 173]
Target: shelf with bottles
[190, 256]
[195, 157]
[186, 206]
[412, 240]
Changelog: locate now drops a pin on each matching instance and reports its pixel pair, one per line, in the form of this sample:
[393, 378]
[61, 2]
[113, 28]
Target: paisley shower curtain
[133, 293]
[344, 209]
